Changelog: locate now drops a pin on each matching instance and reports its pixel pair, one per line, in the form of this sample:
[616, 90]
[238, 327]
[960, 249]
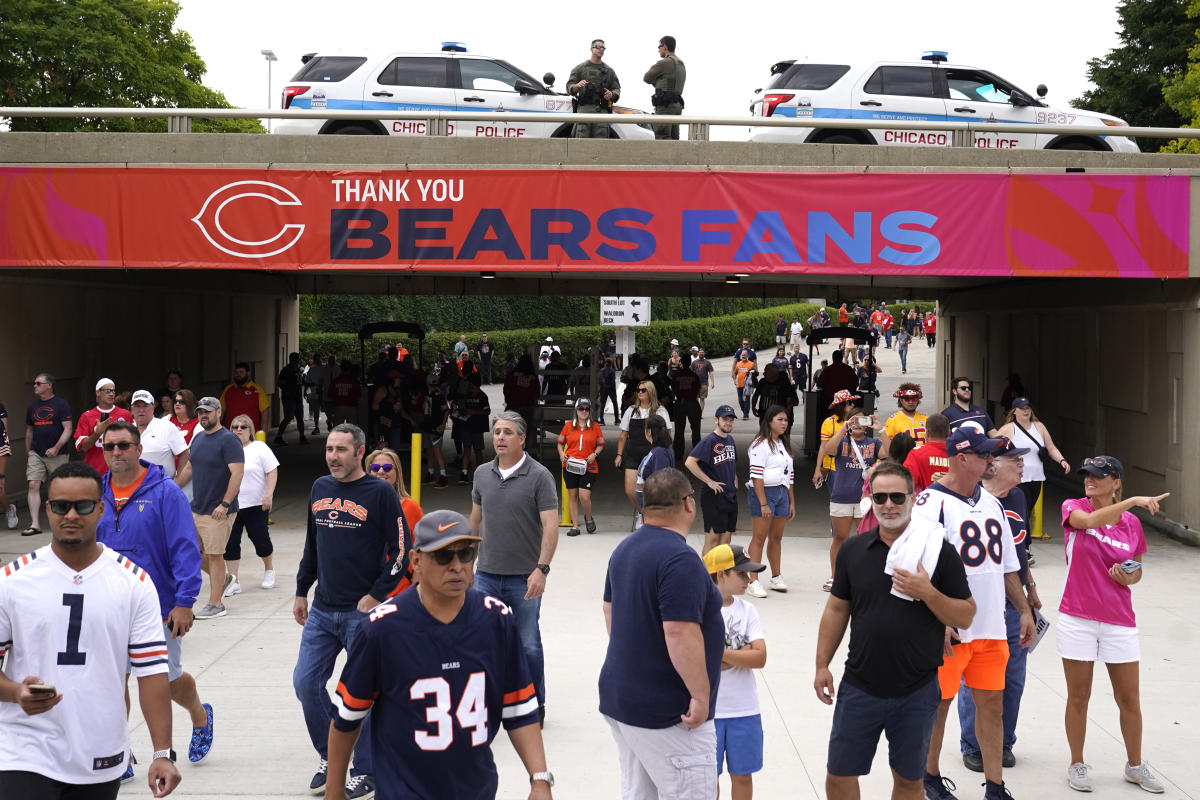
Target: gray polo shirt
[511, 526]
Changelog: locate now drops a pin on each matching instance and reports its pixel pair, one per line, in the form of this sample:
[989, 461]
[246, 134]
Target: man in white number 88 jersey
[72, 614]
[975, 525]
[441, 668]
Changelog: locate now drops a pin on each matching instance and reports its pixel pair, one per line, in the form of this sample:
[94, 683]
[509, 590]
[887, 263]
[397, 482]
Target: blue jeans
[903, 358]
[888, 335]
[511, 589]
[1014, 687]
[327, 633]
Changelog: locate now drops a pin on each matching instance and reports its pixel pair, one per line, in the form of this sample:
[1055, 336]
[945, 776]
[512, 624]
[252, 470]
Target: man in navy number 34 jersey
[436, 708]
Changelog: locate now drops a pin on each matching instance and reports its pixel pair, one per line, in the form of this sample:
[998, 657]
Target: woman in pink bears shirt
[1095, 619]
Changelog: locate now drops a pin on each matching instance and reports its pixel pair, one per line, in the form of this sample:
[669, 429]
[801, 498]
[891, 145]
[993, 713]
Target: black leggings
[254, 521]
[32, 785]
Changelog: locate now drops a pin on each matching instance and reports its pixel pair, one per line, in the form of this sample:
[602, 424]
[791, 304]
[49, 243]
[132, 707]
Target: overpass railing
[179, 120]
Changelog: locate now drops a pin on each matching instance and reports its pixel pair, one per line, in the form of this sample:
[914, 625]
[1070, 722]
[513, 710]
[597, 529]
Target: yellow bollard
[414, 483]
[1035, 518]
[565, 520]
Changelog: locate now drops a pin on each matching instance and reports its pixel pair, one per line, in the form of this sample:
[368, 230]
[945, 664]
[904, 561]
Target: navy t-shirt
[1016, 511]
[212, 453]
[798, 364]
[958, 416]
[46, 418]
[846, 481]
[717, 456]
[653, 576]
[477, 423]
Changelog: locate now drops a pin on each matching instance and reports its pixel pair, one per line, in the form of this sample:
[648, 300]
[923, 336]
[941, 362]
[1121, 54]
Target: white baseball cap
[142, 396]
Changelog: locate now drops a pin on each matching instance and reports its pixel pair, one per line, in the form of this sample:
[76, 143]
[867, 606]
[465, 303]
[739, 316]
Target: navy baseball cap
[1099, 466]
[725, 411]
[1020, 402]
[968, 439]
[1007, 448]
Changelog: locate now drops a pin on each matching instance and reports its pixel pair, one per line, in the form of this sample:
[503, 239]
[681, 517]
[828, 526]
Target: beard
[900, 521]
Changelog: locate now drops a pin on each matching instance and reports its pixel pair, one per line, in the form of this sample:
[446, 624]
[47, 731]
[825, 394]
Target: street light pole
[269, 55]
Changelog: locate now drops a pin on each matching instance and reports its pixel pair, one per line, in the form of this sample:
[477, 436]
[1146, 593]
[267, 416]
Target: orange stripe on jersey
[148, 654]
[519, 695]
[350, 700]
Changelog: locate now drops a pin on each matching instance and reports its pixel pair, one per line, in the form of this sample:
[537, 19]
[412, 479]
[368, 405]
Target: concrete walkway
[243, 662]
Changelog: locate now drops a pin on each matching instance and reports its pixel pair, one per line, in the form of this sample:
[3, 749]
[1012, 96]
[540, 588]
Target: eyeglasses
[384, 467]
[686, 496]
[465, 555]
[897, 498]
[41, 383]
[239, 427]
[122, 446]
[63, 507]
[109, 390]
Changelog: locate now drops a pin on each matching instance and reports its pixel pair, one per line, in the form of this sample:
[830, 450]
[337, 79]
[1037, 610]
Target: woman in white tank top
[1025, 430]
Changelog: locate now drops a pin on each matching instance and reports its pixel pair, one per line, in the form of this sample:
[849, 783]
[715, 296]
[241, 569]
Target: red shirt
[927, 463]
[186, 428]
[888, 321]
[248, 399]
[344, 390]
[931, 324]
[88, 421]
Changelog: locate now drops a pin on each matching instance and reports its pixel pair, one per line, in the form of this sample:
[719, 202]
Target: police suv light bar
[454, 47]
[936, 56]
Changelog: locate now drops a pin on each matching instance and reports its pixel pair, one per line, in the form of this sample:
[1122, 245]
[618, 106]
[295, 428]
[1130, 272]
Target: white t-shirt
[797, 328]
[161, 443]
[978, 530]
[635, 412]
[76, 631]
[770, 464]
[738, 695]
[259, 461]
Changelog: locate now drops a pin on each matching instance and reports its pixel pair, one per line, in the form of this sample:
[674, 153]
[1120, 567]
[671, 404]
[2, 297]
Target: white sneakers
[232, 587]
[268, 579]
[1143, 777]
[776, 584]
[12, 516]
[1078, 778]
[755, 589]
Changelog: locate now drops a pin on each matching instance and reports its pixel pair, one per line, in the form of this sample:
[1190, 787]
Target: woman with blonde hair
[384, 464]
[632, 444]
[255, 498]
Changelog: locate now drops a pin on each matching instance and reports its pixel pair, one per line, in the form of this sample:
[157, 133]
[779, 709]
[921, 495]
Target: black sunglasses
[122, 446]
[465, 555]
[384, 467]
[641, 391]
[63, 507]
[897, 498]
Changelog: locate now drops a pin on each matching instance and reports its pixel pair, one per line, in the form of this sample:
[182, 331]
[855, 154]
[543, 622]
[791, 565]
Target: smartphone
[864, 421]
[1131, 566]
[104, 416]
[41, 688]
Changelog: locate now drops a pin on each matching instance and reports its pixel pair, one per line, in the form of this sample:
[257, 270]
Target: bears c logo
[208, 219]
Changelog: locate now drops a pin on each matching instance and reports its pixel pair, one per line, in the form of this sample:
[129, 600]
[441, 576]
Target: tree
[123, 53]
[1155, 37]
[1183, 93]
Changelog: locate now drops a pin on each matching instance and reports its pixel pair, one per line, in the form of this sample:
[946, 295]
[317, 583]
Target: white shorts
[845, 510]
[1082, 639]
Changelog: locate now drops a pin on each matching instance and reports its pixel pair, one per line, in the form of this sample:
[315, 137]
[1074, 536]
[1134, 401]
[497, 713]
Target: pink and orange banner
[1133, 226]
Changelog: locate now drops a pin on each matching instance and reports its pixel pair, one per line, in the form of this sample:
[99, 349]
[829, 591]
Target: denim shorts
[858, 719]
[740, 744]
[777, 501]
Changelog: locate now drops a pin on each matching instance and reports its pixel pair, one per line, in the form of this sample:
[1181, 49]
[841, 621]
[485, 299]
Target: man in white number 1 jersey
[72, 614]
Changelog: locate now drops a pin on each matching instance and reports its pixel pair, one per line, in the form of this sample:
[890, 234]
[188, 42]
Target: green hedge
[719, 336]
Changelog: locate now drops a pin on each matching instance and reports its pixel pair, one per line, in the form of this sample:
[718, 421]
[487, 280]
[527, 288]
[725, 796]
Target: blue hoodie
[155, 531]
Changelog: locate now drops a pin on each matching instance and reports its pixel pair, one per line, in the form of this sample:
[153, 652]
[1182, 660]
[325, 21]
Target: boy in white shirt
[738, 723]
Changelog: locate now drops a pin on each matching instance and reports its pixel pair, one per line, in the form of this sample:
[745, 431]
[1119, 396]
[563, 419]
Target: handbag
[1043, 453]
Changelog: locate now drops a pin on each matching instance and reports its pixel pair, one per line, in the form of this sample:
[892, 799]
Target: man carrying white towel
[890, 680]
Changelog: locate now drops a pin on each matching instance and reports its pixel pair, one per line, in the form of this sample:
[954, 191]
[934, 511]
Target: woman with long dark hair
[771, 494]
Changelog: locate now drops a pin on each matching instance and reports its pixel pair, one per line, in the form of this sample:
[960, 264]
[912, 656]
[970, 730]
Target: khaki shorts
[213, 534]
[703, 392]
[38, 468]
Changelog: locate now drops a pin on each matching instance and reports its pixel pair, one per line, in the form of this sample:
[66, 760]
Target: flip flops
[31, 531]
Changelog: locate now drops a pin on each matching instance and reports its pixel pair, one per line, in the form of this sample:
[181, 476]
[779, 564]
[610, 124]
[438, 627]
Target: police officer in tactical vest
[667, 77]
[595, 87]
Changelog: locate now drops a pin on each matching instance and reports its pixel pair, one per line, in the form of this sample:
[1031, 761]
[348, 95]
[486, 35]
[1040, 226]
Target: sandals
[828, 586]
[590, 524]
[31, 531]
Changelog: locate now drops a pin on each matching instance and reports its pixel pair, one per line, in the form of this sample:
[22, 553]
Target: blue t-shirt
[958, 416]
[717, 456]
[658, 458]
[654, 577]
[846, 481]
[212, 453]
[1016, 511]
[798, 364]
[435, 708]
[45, 418]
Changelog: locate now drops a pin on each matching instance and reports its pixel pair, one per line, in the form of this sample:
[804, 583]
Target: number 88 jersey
[979, 532]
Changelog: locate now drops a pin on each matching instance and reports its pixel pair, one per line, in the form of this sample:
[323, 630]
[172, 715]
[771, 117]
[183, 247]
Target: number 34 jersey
[978, 530]
[76, 630]
[437, 694]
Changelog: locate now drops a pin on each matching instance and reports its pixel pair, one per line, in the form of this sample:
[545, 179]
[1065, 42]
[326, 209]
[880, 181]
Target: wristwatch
[225, 504]
[168, 753]
[545, 568]
[547, 776]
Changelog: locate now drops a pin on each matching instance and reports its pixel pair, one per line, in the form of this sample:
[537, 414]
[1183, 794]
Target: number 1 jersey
[76, 630]
[979, 532]
[437, 694]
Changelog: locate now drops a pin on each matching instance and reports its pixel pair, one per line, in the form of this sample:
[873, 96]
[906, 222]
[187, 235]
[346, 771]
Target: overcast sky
[728, 47]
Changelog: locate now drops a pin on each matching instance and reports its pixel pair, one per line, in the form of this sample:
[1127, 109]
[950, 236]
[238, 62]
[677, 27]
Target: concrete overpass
[1105, 360]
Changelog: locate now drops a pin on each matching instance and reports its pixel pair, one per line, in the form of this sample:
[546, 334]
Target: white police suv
[928, 90]
[450, 80]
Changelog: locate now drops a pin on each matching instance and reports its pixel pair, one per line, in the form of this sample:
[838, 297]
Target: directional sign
[620, 312]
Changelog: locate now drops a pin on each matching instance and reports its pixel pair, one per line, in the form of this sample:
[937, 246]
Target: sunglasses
[466, 555]
[384, 467]
[1100, 463]
[599, 47]
[239, 427]
[63, 507]
[108, 391]
[641, 391]
[897, 498]
[122, 446]
[963, 388]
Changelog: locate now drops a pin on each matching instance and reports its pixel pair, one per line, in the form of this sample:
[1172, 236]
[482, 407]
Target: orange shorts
[981, 663]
